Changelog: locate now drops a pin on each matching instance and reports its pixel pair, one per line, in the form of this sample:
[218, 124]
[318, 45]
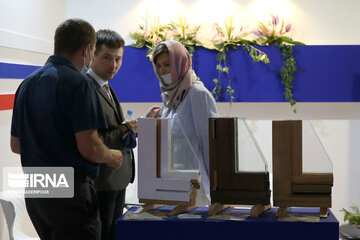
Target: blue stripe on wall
[136, 80]
[324, 74]
[17, 71]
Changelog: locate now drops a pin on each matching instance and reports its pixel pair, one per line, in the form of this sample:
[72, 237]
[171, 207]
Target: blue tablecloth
[266, 226]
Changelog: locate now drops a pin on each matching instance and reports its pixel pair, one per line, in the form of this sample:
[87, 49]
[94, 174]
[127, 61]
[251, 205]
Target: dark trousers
[111, 206]
[67, 218]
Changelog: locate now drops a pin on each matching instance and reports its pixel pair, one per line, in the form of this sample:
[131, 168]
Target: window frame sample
[292, 187]
[228, 186]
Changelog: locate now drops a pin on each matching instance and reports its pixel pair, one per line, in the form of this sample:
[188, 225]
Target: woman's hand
[153, 112]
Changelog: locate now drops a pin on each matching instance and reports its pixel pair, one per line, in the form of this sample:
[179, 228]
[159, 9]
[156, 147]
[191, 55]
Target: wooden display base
[258, 209]
[180, 206]
[255, 211]
[323, 212]
[181, 209]
[216, 208]
[282, 212]
[149, 206]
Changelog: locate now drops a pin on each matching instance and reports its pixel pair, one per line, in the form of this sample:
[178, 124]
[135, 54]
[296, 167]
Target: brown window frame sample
[227, 186]
[292, 187]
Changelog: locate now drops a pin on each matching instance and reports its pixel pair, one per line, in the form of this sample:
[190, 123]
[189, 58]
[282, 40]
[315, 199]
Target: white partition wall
[26, 37]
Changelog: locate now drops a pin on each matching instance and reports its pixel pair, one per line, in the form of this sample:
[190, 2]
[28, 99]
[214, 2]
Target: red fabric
[7, 101]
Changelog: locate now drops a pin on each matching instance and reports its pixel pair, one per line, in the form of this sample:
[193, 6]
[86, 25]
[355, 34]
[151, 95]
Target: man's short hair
[109, 38]
[72, 34]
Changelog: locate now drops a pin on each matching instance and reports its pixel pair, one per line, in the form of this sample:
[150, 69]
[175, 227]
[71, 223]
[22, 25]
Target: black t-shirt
[51, 105]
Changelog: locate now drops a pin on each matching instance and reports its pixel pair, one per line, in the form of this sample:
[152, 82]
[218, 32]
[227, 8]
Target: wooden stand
[255, 211]
[282, 212]
[180, 209]
[258, 209]
[323, 212]
[215, 208]
[180, 206]
[149, 206]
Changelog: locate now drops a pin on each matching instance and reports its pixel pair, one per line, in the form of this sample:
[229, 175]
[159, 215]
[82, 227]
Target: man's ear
[85, 50]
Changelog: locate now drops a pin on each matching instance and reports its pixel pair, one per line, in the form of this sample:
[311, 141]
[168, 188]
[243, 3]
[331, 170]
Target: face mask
[85, 68]
[167, 78]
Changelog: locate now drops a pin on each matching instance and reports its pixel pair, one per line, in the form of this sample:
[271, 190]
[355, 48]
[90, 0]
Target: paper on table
[189, 216]
[228, 217]
[299, 218]
[140, 216]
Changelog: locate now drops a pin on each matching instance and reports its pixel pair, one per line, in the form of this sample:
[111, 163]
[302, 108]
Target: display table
[266, 226]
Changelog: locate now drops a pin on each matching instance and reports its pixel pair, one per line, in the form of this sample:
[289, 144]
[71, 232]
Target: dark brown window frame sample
[228, 186]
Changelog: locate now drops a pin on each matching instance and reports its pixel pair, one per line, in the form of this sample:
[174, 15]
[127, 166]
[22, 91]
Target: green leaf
[298, 43]
[355, 209]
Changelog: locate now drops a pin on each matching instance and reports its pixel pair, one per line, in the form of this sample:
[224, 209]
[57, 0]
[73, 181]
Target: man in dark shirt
[55, 120]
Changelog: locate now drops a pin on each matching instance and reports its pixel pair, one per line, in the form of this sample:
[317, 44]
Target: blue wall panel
[324, 74]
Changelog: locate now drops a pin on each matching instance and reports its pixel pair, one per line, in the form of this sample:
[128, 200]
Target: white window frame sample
[160, 183]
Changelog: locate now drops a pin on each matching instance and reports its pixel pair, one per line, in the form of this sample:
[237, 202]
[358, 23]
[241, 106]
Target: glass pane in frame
[314, 156]
[249, 157]
[185, 150]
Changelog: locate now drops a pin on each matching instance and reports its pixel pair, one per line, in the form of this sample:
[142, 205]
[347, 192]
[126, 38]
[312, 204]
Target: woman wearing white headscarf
[189, 104]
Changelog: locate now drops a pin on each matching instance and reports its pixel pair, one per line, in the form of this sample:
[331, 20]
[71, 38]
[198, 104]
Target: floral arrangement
[185, 34]
[149, 35]
[223, 40]
[272, 32]
[153, 33]
[352, 217]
